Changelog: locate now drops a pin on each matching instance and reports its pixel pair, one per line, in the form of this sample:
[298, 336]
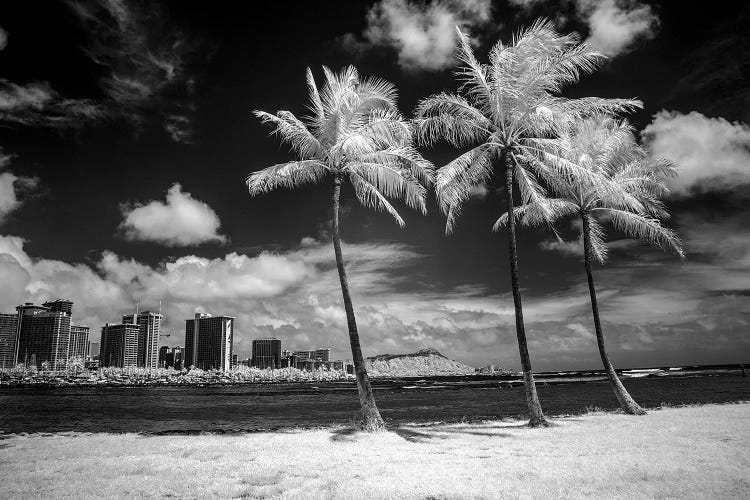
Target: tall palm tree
[356, 134]
[626, 192]
[510, 110]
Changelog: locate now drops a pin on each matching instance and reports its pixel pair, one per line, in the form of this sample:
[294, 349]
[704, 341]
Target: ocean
[248, 408]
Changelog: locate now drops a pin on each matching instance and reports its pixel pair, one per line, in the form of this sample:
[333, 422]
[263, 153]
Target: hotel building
[266, 353]
[208, 342]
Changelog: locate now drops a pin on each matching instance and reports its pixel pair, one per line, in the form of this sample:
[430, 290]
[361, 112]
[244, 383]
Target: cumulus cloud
[295, 295]
[10, 187]
[180, 221]
[711, 153]
[423, 34]
[147, 60]
[616, 25]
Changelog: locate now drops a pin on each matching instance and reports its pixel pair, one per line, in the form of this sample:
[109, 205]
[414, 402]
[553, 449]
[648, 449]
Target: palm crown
[354, 132]
[511, 107]
[625, 189]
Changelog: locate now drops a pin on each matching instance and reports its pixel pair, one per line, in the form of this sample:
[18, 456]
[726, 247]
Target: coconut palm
[625, 192]
[510, 111]
[355, 134]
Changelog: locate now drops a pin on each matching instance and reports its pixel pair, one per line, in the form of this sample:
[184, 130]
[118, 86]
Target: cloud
[36, 104]
[616, 25]
[181, 221]
[653, 312]
[422, 33]
[711, 153]
[147, 63]
[10, 186]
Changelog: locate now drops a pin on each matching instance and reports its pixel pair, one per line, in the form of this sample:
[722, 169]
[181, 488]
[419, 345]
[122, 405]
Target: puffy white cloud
[10, 185]
[181, 221]
[711, 153]
[422, 33]
[616, 25]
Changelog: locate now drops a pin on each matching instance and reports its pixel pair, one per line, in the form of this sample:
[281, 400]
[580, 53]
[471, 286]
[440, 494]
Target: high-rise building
[208, 342]
[322, 355]
[78, 343]
[119, 345]
[60, 305]
[43, 334]
[148, 340]
[266, 353]
[8, 333]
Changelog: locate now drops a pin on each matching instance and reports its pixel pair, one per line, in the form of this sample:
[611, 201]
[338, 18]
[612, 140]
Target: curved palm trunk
[626, 401]
[370, 419]
[536, 416]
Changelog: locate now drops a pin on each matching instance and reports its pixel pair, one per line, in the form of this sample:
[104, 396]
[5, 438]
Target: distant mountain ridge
[423, 363]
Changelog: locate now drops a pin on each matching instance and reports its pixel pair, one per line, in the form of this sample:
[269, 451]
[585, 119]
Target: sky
[126, 134]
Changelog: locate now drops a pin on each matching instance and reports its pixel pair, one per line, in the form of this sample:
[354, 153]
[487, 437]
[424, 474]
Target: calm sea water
[262, 407]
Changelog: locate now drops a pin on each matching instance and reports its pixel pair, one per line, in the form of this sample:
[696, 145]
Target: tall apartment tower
[119, 345]
[43, 334]
[266, 353]
[79, 342]
[208, 342]
[148, 340]
[8, 333]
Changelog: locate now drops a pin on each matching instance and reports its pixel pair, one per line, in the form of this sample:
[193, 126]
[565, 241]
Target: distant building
[8, 333]
[119, 345]
[43, 334]
[266, 353]
[148, 340]
[208, 342]
[93, 351]
[163, 352]
[79, 342]
[313, 355]
[177, 354]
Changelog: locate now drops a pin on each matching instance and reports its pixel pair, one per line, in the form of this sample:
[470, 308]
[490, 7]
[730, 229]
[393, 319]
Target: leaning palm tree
[510, 111]
[625, 191]
[356, 134]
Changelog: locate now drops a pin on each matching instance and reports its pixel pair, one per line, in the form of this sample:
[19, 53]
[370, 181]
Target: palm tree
[625, 192]
[511, 110]
[355, 134]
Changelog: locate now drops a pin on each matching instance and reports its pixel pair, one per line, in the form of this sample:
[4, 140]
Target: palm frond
[644, 228]
[289, 175]
[370, 197]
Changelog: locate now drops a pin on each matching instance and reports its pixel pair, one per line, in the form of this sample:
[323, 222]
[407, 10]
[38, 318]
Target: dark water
[253, 408]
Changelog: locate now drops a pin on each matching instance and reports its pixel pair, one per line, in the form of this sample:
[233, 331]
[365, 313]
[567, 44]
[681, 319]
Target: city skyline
[178, 225]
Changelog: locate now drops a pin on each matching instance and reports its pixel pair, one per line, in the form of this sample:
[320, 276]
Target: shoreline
[696, 451]
[91, 380]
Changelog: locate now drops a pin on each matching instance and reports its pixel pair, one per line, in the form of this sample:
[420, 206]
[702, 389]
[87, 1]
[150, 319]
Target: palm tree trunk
[627, 403]
[370, 419]
[536, 416]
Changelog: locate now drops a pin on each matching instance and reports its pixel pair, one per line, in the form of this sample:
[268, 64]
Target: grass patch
[688, 452]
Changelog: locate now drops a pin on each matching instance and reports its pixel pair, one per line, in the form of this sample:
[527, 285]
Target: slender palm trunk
[536, 416]
[370, 419]
[626, 402]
